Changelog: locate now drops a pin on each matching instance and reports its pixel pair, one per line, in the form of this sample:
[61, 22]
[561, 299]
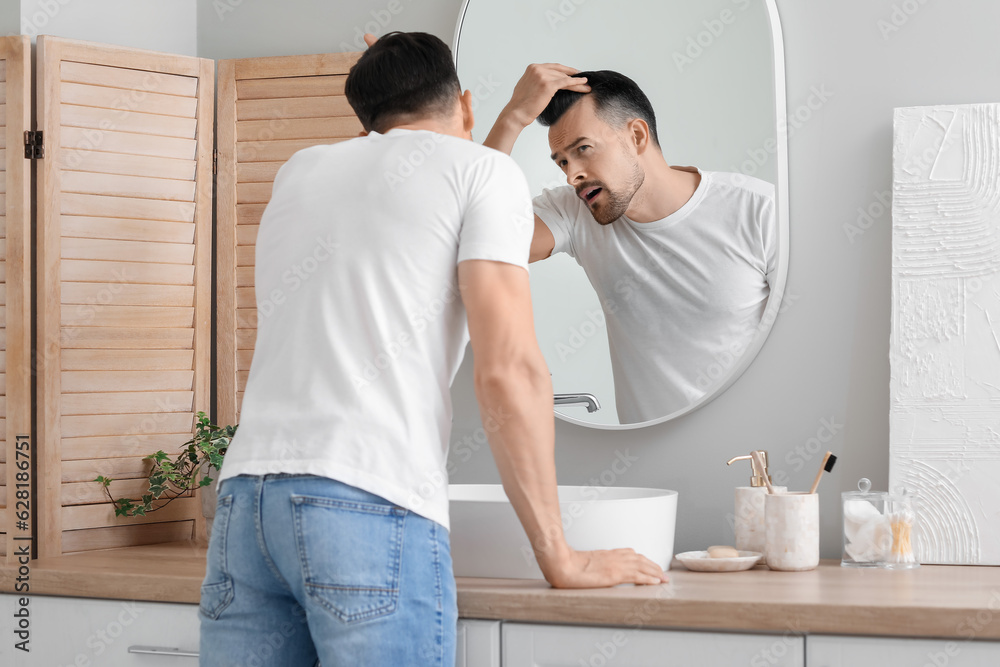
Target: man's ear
[468, 120]
[639, 135]
[363, 133]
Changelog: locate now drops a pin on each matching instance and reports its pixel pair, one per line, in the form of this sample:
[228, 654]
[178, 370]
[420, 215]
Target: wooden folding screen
[15, 296]
[124, 283]
[268, 108]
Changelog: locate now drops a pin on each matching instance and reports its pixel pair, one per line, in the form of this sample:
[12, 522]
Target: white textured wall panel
[945, 340]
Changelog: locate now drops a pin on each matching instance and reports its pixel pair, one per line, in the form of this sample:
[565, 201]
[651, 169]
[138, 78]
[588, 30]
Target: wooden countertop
[931, 601]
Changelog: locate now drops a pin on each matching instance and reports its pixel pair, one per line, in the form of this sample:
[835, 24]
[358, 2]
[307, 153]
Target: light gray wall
[826, 360]
[157, 25]
[252, 28]
[10, 17]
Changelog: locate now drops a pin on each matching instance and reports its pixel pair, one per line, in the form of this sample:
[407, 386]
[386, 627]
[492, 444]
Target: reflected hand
[537, 86]
[600, 569]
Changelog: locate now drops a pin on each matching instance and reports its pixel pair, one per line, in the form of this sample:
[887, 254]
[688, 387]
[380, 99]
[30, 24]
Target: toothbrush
[827, 466]
[761, 466]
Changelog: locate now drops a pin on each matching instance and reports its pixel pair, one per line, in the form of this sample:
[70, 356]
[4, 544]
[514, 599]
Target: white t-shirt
[682, 296]
[361, 327]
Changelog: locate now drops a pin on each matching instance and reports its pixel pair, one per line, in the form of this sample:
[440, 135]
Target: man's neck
[663, 192]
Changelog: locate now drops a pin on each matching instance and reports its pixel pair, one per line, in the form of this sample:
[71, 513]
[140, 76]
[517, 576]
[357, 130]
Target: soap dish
[700, 561]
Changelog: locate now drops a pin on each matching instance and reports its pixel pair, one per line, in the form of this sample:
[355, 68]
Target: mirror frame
[781, 202]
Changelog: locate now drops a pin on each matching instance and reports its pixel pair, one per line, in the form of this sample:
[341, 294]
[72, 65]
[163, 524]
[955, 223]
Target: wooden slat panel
[134, 425]
[245, 339]
[245, 255]
[128, 316]
[120, 163]
[126, 259]
[85, 493]
[246, 234]
[268, 109]
[112, 141]
[128, 338]
[299, 107]
[111, 446]
[284, 66]
[126, 536]
[126, 207]
[119, 101]
[249, 214]
[124, 467]
[127, 360]
[127, 402]
[295, 86]
[257, 172]
[118, 77]
[15, 272]
[119, 185]
[154, 124]
[127, 230]
[280, 151]
[244, 276]
[245, 297]
[125, 294]
[95, 516]
[253, 193]
[127, 251]
[81, 270]
[299, 128]
[79, 381]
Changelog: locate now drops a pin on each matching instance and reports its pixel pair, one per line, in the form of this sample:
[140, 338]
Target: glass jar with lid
[867, 529]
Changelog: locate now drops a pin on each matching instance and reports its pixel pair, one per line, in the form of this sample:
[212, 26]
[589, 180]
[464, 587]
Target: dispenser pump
[758, 475]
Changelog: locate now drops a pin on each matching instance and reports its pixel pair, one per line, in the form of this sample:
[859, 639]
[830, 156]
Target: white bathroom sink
[487, 539]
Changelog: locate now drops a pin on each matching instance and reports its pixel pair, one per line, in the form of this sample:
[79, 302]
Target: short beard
[617, 204]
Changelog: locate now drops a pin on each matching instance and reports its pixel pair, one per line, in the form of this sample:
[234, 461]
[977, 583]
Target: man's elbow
[504, 375]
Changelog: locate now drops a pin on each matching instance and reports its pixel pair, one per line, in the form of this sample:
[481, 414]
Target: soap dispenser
[749, 523]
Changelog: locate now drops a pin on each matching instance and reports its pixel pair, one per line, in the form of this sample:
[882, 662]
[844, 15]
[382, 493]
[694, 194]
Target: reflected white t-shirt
[360, 324]
[682, 296]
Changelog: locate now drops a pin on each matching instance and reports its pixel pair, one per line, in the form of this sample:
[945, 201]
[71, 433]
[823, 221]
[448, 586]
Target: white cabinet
[477, 643]
[528, 645]
[835, 651]
[85, 632]
[82, 632]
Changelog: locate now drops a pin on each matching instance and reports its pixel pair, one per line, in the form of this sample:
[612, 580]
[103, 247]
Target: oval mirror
[672, 330]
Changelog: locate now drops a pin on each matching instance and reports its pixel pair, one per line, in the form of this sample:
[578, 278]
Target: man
[681, 259]
[330, 540]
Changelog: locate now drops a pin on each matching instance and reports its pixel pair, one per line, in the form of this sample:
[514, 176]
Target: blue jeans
[304, 570]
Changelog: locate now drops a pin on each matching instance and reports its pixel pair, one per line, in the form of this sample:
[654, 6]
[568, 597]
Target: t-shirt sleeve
[497, 224]
[769, 238]
[556, 208]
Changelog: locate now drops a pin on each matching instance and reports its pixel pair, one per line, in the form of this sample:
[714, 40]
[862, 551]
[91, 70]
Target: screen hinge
[34, 149]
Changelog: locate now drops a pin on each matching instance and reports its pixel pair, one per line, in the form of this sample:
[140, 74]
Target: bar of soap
[722, 552]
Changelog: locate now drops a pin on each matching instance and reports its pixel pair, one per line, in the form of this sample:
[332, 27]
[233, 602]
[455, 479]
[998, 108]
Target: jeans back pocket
[350, 553]
[217, 587]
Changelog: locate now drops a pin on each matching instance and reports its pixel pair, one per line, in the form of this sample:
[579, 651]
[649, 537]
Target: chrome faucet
[572, 399]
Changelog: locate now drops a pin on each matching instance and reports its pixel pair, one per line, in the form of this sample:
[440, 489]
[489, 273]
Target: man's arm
[542, 241]
[512, 383]
[530, 97]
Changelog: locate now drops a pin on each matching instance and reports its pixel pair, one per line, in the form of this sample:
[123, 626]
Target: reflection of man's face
[597, 161]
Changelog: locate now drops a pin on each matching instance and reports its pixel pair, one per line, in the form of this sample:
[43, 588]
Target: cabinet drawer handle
[162, 650]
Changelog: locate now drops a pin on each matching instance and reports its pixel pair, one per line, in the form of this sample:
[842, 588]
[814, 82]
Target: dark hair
[617, 99]
[404, 74]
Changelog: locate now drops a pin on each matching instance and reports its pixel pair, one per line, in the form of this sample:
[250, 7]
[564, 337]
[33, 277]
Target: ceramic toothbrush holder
[792, 531]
